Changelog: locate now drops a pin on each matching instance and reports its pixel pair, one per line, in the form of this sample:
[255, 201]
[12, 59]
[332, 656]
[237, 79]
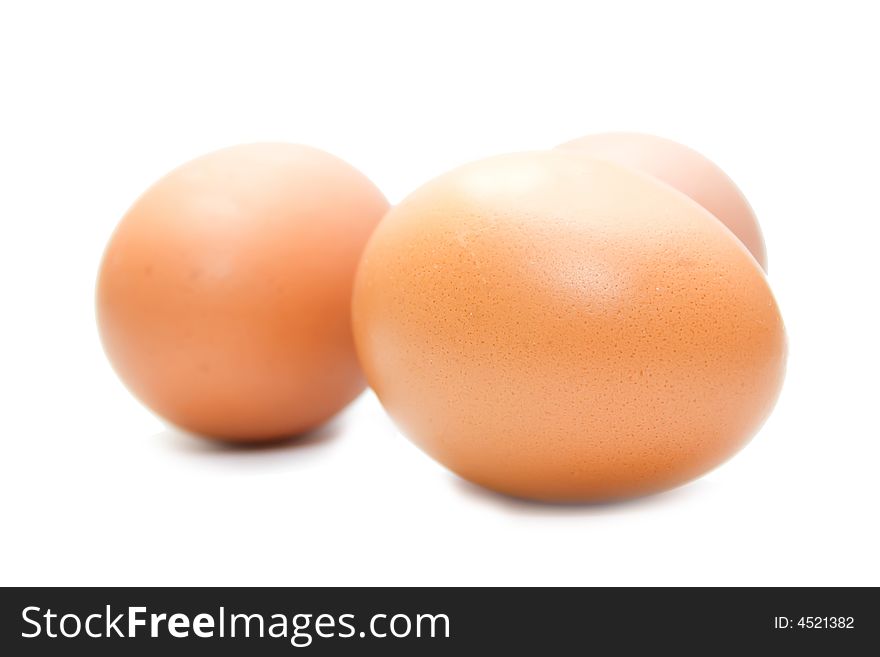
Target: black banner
[418, 621]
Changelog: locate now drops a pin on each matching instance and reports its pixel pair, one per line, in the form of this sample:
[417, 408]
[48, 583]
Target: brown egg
[687, 171]
[224, 294]
[554, 327]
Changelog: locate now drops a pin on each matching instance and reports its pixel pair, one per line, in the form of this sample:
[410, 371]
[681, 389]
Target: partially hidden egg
[556, 327]
[224, 294]
[684, 169]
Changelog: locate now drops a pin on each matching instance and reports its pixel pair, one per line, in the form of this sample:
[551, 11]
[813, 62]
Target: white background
[97, 100]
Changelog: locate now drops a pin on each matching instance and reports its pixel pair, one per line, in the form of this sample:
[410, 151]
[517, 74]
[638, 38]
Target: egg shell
[687, 171]
[559, 328]
[224, 294]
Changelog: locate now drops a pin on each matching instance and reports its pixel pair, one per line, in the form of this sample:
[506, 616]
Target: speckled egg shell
[559, 328]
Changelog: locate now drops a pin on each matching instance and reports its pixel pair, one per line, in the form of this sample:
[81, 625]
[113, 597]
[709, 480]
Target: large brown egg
[688, 171]
[560, 328]
[224, 295]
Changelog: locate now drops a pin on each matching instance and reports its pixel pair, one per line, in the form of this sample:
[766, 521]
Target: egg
[687, 171]
[559, 328]
[224, 293]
